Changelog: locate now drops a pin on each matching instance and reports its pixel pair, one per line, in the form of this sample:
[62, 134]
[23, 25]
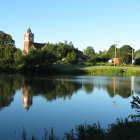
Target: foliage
[6, 39]
[13, 59]
[37, 60]
[121, 130]
[135, 104]
[89, 51]
[125, 54]
[60, 50]
[136, 52]
[18, 57]
[7, 49]
[6, 54]
[71, 58]
[124, 130]
[111, 52]
[137, 59]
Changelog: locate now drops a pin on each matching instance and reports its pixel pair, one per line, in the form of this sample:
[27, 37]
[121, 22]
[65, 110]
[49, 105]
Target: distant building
[29, 41]
[114, 60]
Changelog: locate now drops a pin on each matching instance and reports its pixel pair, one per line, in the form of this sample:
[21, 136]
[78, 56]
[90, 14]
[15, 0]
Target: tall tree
[71, 58]
[111, 52]
[89, 51]
[6, 39]
[125, 54]
[7, 48]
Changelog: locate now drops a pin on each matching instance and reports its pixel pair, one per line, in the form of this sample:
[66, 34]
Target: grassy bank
[69, 69]
[98, 70]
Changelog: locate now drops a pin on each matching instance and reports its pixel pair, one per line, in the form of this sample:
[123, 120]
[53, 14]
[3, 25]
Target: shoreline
[67, 69]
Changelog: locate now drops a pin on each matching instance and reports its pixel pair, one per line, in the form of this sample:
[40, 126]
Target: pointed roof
[29, 30]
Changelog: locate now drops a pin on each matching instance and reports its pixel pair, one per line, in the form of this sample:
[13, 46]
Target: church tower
[28, 40]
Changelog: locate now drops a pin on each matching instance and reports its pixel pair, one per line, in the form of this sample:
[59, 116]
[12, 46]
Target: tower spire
[28, 40]
[29, 30]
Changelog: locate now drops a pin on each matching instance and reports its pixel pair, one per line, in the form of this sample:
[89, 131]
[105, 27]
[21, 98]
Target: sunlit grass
[98, 70]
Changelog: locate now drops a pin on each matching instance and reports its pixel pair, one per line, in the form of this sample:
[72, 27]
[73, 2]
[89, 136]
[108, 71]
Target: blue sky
[96, 23]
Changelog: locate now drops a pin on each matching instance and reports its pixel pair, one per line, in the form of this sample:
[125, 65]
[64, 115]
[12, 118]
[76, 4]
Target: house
[114, 60]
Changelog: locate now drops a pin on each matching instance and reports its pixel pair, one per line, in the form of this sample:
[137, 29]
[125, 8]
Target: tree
[6, 39]
[38, 59]
[136, 53]
[125, 54]
[60, 50]
[7, 54]
[111, 52]
[71, 58]
[7, 49]
[18, 56]
[137, 59]
[89, 51]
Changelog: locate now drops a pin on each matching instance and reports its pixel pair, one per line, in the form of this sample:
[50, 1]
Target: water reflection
[8, 87]
[52, 89]
[88, 87]
[27, 99]
[123, 87]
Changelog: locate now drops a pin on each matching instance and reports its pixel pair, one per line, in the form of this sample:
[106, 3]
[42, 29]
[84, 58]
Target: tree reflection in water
[8, 87]
[54, 89]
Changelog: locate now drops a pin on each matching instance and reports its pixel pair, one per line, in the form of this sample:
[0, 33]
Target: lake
[39, 103]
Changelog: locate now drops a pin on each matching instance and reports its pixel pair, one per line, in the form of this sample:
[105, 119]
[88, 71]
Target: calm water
[36, 103]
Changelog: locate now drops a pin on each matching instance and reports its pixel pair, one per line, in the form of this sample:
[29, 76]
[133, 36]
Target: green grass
[69, 69]
[99, 70]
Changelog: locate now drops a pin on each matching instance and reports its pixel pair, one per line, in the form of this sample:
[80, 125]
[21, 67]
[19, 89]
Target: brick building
[29, 41]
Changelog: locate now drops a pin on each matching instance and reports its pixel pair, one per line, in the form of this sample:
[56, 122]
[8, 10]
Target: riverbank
[98, 70]
[69, 69]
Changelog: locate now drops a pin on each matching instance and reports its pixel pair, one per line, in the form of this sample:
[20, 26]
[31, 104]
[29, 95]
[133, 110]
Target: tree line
[125, 54]
[10, 56]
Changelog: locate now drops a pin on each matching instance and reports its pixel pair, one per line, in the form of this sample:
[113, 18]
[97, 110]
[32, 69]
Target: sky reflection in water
[62, 102]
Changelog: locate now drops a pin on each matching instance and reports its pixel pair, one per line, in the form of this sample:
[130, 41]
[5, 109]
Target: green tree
[60, 50]
[6, 39]
[71, 58]
[18, 56]
[89, 51]
[111, 52]
[37, 60]
[136, 52]
[7, 54]
[125, 54]
[7, 49]
[137, 59]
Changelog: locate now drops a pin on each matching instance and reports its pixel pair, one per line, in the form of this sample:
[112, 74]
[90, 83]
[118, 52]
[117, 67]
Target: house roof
[39, 45]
